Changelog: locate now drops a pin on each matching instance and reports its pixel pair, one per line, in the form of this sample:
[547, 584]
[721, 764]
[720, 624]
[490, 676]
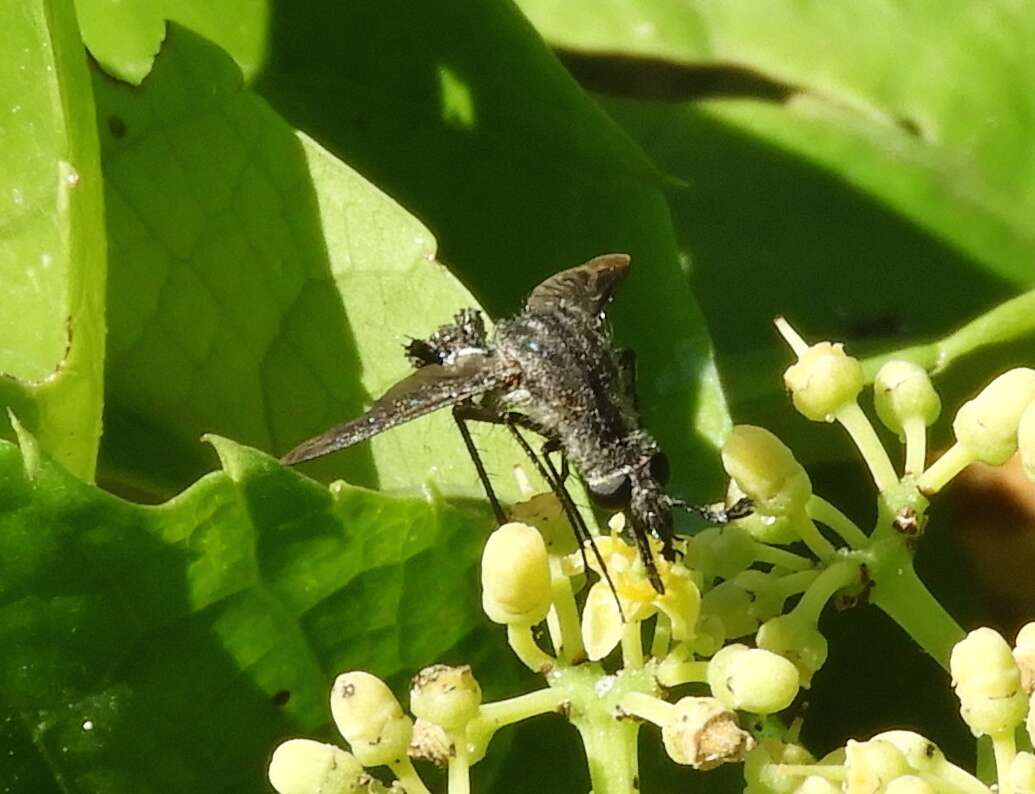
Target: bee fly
[551, 370]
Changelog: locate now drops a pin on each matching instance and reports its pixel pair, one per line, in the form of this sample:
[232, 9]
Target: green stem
[813, 538]
[858, 425]
[459, 770]
[915, 432]
[632, 645]
[781, 558]
[565, 616]
[951, 463]
[833, 578]
[662, 639]
[524, 646]
[1008, 321]
[611, 754]
[900, 593]
[1005, 748]
[819, 509]
[408, 777]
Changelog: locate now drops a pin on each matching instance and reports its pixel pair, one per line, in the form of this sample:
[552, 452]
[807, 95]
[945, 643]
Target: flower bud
[702, 733]
[765, 469]
[988, 424]
[902, 391]
[765, 769]
[797, 640]
[722, 551]
[1022, 773]
[987, 682]
[871, 765]
[302, 766]
[545, 512]
[752, 679]
[920, 753]
[909, 784]
[731, 604]
[516, 585]
[1026, 440]
[816, 784]
[823, 380]
[370, 718]
[447, 696]
[1024, 656]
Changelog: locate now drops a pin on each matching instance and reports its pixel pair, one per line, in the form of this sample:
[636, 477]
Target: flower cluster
[735, 633]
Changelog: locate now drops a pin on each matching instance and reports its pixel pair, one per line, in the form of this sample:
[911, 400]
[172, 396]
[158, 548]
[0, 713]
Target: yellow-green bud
[302, 766]
[920, 753]
[1026, 440]
[722, 551]
[988, 424]
[765, 767]
[731, 604]
[752, 679]
[797, 640]
[902, 391]
[516, 586]
[1024, 656]
[1030, 723]
[872, 765]
[988, 683]
[824, 380]
[765, 469]
[447, 696]
[370, 718]
[703, 733]
[1022, 773]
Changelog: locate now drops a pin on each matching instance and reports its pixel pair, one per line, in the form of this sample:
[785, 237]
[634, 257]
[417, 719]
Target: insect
[551, 370]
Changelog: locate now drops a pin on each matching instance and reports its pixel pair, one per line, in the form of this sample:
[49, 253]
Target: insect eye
[610, 493]
[659, 468]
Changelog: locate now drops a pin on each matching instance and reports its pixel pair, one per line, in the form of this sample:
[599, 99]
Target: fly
[551, 370]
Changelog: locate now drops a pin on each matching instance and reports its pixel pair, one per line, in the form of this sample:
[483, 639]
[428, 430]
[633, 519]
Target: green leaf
[52, 247]
[872, 190]
[265, 292]
[170, 648]
[125, 35]
[456, 108]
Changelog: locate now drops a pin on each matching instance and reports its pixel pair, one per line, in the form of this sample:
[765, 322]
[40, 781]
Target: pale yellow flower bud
[302, 766]
[752, 679]
[1024, 656]
[872, 765]
[765, 469]
[988, 424]
[902, 391]
[1026, 440]
[731, 604]
[797, 640]
[370, 718]
[544, 512]
[823, 380]
[516, 587]
[447, 696]
[1022, 773]
[987, 683]
[909, 784]
[702, 733]
[815, 784]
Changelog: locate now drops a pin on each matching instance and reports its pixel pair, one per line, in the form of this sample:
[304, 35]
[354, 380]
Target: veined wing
[427, 389]
[590, 286]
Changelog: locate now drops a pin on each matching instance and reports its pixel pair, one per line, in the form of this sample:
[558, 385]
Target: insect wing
[429, 388]
[590, 286]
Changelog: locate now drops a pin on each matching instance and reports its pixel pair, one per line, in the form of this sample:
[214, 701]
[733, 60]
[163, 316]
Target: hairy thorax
[573, 387]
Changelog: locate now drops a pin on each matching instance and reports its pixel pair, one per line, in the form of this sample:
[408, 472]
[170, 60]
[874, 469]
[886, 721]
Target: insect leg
[462, 412]
[554, 445]
[578, 524]
[741, 509]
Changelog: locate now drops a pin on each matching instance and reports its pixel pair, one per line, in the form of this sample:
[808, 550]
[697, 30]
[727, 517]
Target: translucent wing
[590, 286]
[429, 388]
